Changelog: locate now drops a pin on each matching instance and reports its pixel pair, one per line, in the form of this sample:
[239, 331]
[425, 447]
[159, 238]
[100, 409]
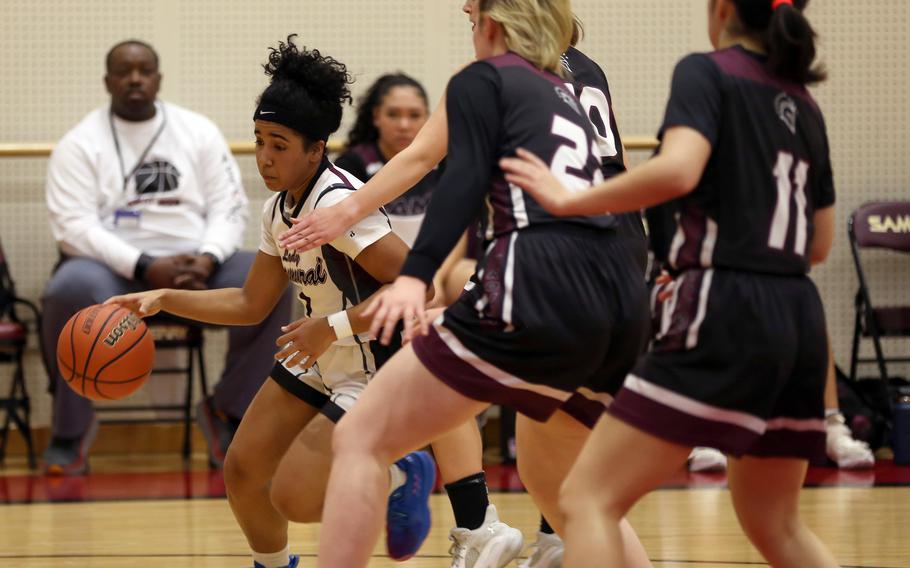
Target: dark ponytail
[787, 35]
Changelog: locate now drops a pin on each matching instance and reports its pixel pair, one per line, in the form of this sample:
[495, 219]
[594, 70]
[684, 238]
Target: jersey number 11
[791, 179]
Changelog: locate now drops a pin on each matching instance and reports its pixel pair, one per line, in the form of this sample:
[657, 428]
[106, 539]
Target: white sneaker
[547, 552]
[491, 545]
[843, 449]
[707, 459]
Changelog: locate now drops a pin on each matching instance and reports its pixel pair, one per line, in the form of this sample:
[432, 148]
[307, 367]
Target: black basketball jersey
[769, 169]
[589, 83]
[495, 106]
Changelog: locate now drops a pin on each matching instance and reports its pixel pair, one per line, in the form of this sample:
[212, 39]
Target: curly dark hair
[314, 85]
[364, 130]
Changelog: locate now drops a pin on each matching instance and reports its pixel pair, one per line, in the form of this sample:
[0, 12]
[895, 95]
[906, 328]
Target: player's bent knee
[576, 499]
[241, 471]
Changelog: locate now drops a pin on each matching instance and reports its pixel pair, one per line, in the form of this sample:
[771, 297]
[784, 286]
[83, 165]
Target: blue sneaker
[295, 560]
[408, 520]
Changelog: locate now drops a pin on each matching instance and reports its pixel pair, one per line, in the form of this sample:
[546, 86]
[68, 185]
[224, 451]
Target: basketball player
[278, 463]
[428, 148]
[506, 340]
[740, 360]
[389, 116]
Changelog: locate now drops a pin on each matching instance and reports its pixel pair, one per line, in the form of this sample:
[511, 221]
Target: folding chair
[16, 406]
[173, 333]
[881, 225]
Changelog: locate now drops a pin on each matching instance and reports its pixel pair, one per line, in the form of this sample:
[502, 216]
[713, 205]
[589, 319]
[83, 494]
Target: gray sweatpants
[81, 282]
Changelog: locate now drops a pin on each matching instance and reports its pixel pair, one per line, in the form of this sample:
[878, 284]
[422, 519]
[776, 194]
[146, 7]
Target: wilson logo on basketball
[129, 322]
[89, 321]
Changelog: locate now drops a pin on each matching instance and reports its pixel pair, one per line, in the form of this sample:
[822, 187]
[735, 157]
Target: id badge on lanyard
[127, 218]
[124, 217]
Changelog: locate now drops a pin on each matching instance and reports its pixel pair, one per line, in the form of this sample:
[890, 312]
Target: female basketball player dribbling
[408, 167]
[508, 340]
[740, 361]
[278, 462]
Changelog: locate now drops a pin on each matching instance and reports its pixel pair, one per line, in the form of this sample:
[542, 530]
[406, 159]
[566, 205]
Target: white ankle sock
[278, 559]
[397, 478]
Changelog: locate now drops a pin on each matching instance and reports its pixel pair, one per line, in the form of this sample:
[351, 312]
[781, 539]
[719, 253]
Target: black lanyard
[127, 176]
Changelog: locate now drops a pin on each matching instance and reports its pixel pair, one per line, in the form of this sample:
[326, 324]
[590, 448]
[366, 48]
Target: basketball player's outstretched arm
[249, 305]
[473, 131]
[672, 173]
[395, 178]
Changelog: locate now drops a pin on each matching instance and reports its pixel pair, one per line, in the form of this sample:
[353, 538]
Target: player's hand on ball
[304, 341]
[530, 173]
[143, 304]
[404, 299]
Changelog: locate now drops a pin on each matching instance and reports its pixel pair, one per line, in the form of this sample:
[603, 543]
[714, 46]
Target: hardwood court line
[136, 555]
[376, 556]
[753, 563]
[379, 557]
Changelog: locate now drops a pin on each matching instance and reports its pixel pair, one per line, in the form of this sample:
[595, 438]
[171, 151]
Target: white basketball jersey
[327, 278]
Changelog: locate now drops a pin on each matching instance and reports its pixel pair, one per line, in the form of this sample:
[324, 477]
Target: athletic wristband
[341, 324]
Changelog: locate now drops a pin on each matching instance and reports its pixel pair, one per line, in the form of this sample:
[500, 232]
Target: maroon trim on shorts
[685, 310]
[493, 279]
[681, 428]
[800, 444]
[678, 427]
[583, 409]
[467, 380]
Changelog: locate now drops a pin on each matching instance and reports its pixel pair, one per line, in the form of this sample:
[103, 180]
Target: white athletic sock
[829, 412]
[397, 478]
[278, 559]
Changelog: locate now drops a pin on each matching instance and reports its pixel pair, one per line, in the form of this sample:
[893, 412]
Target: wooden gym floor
[151, 512]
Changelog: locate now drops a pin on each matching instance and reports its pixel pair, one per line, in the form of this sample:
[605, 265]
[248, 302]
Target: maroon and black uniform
[740, 357]
[556, 312]
[589, 83]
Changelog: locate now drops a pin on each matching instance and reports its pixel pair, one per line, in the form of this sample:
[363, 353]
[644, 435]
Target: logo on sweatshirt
[156, 177]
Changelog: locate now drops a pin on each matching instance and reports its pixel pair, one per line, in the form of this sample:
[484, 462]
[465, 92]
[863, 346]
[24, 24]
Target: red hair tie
[775, 4]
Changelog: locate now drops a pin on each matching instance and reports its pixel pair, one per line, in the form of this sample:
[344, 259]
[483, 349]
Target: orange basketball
[105, 352]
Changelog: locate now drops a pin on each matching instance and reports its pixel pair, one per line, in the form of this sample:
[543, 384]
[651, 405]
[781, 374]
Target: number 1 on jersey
[780, 223]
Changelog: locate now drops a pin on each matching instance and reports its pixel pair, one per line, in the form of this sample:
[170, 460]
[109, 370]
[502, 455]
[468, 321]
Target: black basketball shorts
[555, 317]
[738, 363]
